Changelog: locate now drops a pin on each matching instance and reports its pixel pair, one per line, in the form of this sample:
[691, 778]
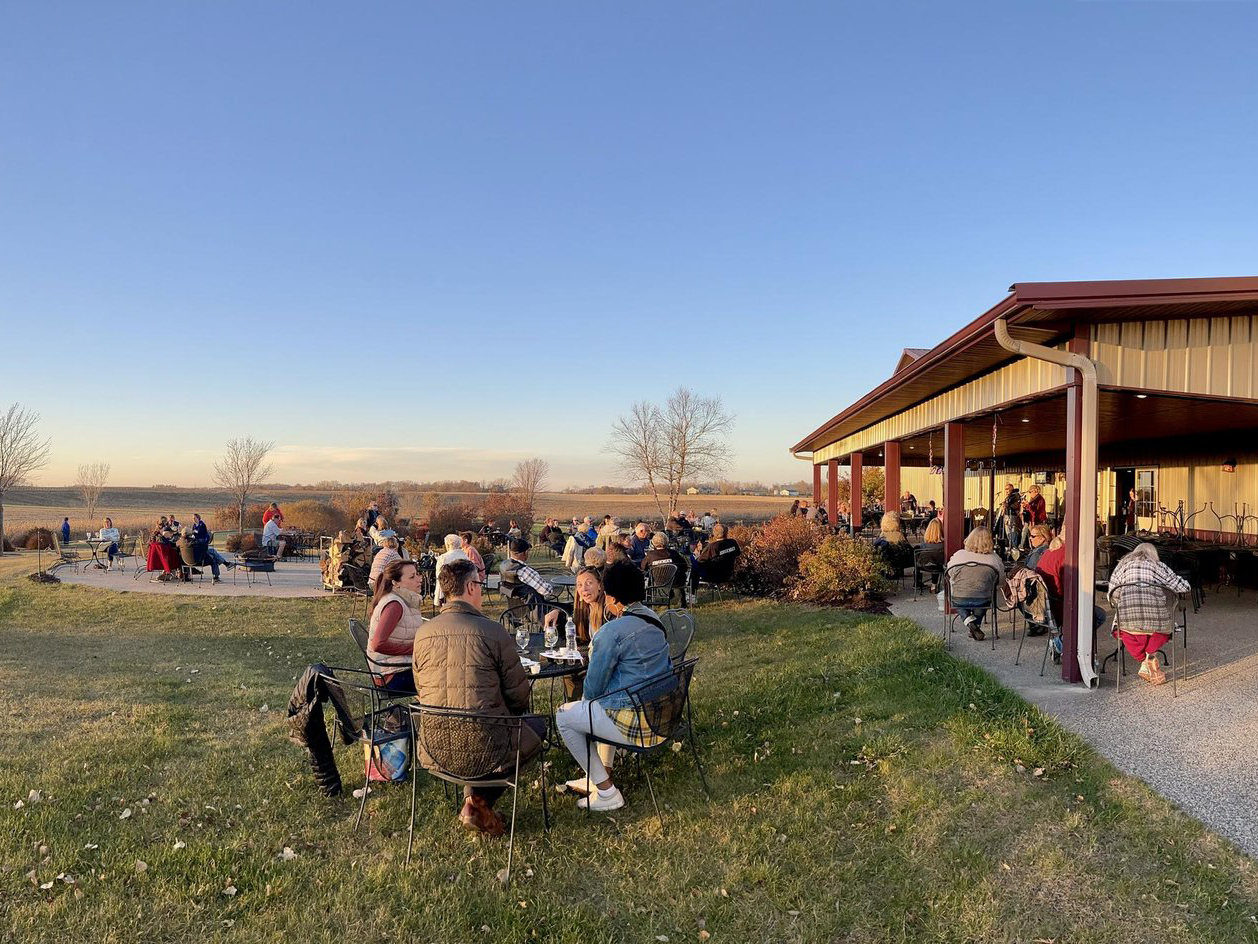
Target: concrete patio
[1201, 754]
[290, 579]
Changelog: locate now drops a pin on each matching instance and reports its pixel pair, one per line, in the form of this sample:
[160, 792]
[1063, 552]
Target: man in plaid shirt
[515, 572]
[1143, 592]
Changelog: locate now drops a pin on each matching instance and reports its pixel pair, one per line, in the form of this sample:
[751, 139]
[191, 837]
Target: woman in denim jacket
[626, 651]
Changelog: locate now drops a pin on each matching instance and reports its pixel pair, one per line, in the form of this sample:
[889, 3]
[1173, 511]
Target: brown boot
[477, 815]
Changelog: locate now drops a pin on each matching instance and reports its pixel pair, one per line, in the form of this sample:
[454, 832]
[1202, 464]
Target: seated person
[362, 530]
[1051, 566]
[716, 560]
[594, 557]
[639, 542]
[616, 554]
[188, 554]
[271, 537]
[892, 545]
[454, 551]
[931, 511]
[553, 536]
[469, 548]
[627, 650]
[110, 533]
[387, 555]
[203, 540]
[376, 531]
[930, 557]
[464, 660]
[521, 581]
[587, 616]
[395, 621]
[1145, 621]
[661, 553]
[1039, 537]
[513, 530]
[973, 587]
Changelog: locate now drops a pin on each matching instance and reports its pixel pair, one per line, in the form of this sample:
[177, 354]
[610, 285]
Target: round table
[547, 668]
[564, 584]
[94, 545]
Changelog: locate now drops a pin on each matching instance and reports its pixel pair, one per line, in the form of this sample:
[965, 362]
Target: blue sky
[428, 240]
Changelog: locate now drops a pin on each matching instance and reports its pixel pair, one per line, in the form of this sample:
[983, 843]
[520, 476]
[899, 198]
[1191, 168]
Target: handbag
[388, 754]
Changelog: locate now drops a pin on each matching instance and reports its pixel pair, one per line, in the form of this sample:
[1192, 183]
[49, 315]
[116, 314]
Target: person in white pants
[627, 650]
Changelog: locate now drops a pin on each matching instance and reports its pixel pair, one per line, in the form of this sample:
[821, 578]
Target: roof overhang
[1042, 312]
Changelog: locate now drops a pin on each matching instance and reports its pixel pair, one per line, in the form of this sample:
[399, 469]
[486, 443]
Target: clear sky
[411, 240]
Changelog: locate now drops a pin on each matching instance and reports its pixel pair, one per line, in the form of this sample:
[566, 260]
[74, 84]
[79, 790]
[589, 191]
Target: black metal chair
[1175, 608]
[65, 555]
[679, 630]
[950, 614]
[925, 568]
[660, 708]
[382, 699]
[659, 587]
[468, 749]
[1037, 594]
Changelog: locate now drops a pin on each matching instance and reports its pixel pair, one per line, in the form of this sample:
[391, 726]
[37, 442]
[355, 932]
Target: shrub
[7, 544]
[770, 559]
[317, 516]
[505, 508]
[239, 543]
[450, 519]
[227, 517]
[353, 504]
[841, 571]
[34, 538]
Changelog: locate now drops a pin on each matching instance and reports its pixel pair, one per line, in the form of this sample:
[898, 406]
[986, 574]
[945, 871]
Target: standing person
[273, 511]
[395, 622]
[469, 548]
[1011, 516]
[369, 519]
[1129, 512]
[1035, 507]
[454, 551]
[464, 660]
[627, 650]
[65, 531]
[794, 512]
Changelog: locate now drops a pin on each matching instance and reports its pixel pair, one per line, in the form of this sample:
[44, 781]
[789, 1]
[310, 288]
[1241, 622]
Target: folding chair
[1037, 592]
[1179, 626]
[64, 554]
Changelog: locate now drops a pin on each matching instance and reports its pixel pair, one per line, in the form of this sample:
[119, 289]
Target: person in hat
[521, 581]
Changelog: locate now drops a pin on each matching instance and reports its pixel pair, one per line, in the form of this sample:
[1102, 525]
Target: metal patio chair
[679, 630]
[1179, 617]
[950, 615]
[659, 586]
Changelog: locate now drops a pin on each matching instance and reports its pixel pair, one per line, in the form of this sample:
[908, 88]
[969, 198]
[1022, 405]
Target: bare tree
[242, 470]
[529, 479]
[685, 439]
[22, 452]
[91, 483]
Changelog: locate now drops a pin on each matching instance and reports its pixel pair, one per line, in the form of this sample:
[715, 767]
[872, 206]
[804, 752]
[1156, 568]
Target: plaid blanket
[1137, 587]
[634, 727]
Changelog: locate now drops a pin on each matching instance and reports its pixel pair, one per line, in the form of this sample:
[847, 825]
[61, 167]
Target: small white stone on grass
[34, 797]
[288, 854]
[125, 814]
[141, 866]
[180, 844]
[230, 891]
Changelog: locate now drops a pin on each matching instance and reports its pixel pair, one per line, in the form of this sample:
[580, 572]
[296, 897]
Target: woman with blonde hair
[930, 556]
[891, 544]
[1040, 537]
[973, 588]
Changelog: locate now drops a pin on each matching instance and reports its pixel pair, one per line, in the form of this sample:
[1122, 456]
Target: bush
[353, 504]
[841, 571]
[505, 508]
[239, 543]
[33, 539]
[770, 560]
[319, 517]
[450, 519]
[227, 517]
[4, 540]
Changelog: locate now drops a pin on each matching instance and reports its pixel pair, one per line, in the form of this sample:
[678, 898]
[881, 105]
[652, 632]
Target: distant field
[135, 507]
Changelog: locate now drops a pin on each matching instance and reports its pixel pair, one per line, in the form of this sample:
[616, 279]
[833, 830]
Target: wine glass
[522, 637]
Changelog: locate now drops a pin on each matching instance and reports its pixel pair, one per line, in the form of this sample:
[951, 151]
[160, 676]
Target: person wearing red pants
[1144, 592]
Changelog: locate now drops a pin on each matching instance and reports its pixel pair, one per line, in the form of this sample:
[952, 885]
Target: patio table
[94, 545]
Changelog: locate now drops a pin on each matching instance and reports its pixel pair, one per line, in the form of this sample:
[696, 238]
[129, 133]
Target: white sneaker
[579, 785]
[601, 802]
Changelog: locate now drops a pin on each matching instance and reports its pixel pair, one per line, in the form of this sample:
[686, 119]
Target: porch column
[954, 488]
[816, 486]
[832, 497]
[891, 476]
[858, 460]
[1079, 524]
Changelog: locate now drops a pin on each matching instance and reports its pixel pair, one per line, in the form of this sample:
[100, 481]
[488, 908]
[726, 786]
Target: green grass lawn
[867, 787]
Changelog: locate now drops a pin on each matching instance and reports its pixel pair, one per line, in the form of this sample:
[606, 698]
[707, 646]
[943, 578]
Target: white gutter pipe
[1086, 588]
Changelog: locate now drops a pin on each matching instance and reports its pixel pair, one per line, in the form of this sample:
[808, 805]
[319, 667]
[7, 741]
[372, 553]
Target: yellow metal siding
[1208, 356]
[1023, 378]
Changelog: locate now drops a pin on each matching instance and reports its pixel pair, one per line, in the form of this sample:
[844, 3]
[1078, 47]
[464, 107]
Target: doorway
[1144, 483]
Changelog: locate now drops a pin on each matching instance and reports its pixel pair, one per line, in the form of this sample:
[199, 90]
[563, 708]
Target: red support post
[954, 488]
[891, 476]
[816, 486]
[858, 476]
[832, 497]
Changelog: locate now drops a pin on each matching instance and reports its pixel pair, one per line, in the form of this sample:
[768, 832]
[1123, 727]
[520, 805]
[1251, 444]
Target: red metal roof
[1043, 312]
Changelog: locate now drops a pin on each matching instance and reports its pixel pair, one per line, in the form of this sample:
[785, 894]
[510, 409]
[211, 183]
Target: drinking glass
[551, 635]
[522, 636]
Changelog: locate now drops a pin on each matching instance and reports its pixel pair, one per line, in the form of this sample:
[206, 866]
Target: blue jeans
[216, 560]
[976, 608]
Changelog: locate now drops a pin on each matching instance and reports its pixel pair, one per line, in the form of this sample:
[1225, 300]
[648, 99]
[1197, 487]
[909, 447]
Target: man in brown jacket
[465, 660]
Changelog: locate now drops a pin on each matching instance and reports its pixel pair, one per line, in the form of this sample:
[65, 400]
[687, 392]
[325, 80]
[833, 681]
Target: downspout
[1086, 585]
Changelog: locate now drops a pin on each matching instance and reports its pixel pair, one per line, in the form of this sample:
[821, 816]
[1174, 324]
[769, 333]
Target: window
[1146, 493]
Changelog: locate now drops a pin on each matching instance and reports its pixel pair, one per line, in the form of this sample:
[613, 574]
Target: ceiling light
[1142, 396]
[1026, 421]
